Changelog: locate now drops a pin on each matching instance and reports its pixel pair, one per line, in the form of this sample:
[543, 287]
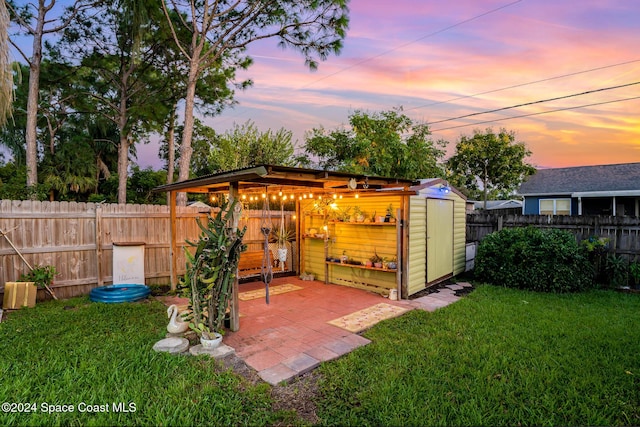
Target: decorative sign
[128, 263]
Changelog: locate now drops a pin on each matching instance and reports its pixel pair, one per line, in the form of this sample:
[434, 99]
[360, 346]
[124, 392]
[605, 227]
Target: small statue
[175, 326]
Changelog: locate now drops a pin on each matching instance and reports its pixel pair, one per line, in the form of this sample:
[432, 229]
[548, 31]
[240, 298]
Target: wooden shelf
[363, 267]
[313, 237]
[364, 223]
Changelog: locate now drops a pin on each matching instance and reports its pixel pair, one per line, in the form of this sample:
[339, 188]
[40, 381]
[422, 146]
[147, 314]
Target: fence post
[500, 223]
[98, 240]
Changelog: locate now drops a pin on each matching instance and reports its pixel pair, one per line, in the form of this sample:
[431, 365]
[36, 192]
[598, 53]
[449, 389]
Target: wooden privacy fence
[623, 232]
[78, 239]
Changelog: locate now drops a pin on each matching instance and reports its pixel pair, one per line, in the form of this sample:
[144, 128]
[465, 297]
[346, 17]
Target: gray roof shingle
[620, 177]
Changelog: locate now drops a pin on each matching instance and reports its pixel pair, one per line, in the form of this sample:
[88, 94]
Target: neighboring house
[493, 205]
[584, 190]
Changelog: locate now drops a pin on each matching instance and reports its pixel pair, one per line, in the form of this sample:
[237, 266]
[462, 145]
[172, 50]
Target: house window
[555, 207]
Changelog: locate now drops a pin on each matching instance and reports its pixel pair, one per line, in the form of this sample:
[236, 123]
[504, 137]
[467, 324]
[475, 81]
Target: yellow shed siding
[459, 235]
[417, 262]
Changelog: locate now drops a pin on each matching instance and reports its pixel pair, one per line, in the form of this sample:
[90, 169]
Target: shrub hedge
[534, 259]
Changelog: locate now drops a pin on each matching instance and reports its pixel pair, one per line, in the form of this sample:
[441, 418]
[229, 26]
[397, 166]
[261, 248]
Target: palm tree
[6, 74]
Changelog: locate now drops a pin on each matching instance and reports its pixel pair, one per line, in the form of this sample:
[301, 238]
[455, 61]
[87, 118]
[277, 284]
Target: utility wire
[538, 113]
[241, 113]
[524, 84]
[442, 30]
[536, 102]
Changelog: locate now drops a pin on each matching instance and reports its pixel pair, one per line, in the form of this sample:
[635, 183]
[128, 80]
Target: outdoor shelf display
[364, 223]
[328, 240]
[364, 267]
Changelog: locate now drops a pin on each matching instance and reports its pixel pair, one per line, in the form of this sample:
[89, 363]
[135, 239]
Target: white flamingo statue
[175, 326]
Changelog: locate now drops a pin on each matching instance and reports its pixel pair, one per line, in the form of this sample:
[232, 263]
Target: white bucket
[393, 294]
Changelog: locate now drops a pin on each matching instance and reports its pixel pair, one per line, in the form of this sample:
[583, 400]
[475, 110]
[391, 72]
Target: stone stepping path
[442, 298]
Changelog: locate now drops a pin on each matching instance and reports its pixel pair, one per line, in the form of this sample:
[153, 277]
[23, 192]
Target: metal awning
[256, 178]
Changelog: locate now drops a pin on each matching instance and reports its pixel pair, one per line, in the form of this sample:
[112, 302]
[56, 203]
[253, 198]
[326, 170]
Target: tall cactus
[211, 269]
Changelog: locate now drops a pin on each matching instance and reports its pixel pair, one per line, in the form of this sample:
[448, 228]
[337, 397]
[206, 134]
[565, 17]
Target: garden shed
[414, 231]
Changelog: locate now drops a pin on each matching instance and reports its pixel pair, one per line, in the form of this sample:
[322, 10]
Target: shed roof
[255, 178]
[605, 179]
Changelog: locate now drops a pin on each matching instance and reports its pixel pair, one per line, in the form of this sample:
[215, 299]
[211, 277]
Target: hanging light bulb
[264, 195]
[357, 196]
[244, 197]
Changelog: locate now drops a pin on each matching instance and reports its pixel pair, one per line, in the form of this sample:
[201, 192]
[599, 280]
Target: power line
[239, 114]
[524, 84]
[536, 102]
[411, 42]
[538, 113]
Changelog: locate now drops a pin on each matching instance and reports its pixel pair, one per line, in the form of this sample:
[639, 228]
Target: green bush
[534, 259]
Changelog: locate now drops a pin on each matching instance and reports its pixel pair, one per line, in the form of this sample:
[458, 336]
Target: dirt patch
[298, 396]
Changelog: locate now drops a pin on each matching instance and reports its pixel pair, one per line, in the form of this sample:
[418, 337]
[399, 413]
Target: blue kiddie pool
[119, 293]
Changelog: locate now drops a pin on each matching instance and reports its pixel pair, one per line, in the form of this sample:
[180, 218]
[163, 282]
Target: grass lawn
[497, 357]
[80, 353]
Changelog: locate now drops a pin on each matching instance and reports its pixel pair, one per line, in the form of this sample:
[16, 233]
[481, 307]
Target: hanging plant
[211, 270]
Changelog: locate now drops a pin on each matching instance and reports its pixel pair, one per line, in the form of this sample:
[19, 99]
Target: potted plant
[390, 217]
[283, 235]
[211, 271]
[376, 260]
[344, 258]
[358, 214]
[42, 276]
[393, 264]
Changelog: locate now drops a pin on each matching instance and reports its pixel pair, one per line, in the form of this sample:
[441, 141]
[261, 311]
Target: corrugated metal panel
[417, 263]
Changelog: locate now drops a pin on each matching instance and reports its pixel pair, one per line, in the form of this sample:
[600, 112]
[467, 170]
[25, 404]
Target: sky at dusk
[440, 60]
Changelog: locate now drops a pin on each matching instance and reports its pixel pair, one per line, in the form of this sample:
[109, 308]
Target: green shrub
[534, 259]
[616, 271]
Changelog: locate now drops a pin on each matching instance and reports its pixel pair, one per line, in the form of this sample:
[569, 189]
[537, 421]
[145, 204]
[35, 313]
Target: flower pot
[377, 265]
[392, 265]
[211, 343]
[282, 254]
[368, 264]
